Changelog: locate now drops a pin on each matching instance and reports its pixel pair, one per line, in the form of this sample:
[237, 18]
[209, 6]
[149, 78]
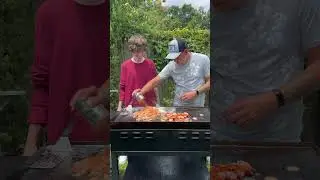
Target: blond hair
[136, 43]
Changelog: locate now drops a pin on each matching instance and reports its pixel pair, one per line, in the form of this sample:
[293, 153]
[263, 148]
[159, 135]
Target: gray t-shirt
[257, 49]
[188, 78]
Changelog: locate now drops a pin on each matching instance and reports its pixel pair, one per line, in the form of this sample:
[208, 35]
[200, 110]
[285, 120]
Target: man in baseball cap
[190, 72]
[176, 47]
[191, 76]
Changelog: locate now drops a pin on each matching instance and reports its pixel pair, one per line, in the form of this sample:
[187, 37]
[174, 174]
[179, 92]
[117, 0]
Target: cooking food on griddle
[148, 113]
[176, 117]
[93, 167]
[232, 171]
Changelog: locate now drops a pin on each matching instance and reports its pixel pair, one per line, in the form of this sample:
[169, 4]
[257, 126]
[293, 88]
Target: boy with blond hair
[135, 72]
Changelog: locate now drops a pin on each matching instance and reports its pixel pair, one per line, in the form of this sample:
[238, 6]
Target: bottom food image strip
[232, 171]
[94, 167]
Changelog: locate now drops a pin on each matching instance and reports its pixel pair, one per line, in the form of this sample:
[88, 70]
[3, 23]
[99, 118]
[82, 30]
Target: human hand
[135, 91]
[251, 109]
[188, 95]
[91, 94]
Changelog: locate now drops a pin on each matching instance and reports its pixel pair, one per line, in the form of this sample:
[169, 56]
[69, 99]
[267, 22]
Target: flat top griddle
[202, 116]
[81, 150]
[271, 159]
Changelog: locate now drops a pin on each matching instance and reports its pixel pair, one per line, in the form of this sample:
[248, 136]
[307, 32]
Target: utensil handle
[68, 129]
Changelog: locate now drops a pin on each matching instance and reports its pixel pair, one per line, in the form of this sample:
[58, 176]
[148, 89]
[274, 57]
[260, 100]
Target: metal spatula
[63, 144]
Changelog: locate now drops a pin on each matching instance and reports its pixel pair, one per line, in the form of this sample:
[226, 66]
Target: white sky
[195, 3]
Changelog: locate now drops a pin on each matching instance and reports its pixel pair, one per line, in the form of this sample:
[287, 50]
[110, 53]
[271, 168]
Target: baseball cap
[176, 46]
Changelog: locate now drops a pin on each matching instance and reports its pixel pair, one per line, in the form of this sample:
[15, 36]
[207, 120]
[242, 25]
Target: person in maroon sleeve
[71, 52]
[135, 72]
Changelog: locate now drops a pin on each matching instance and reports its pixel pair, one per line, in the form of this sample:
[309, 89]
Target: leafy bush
[197, 39]
[16, 54]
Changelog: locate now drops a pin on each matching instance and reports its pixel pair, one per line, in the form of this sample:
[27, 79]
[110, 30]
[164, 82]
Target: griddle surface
[202, 121]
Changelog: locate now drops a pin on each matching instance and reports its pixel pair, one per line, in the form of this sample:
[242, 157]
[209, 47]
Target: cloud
[195, 3]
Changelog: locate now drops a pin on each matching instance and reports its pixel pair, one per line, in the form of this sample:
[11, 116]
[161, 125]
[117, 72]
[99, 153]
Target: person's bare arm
[308, 81]
[206, 86]
[32, 139]
[120, 103]
[206, 68]
[153, 83]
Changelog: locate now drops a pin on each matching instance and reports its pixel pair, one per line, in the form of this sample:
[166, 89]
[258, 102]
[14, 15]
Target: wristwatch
[197, 92]
[280, 97]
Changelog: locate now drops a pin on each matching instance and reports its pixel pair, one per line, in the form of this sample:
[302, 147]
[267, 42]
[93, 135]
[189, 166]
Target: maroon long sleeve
[40, 68]
[123, 76]
[71, 53]
[135, 76]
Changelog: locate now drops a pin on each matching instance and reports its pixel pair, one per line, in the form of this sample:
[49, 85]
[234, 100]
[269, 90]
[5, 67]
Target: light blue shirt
[188, 77]
[257, 49]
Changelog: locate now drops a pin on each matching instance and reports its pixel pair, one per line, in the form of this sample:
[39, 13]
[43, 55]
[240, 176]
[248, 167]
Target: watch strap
[280, 97]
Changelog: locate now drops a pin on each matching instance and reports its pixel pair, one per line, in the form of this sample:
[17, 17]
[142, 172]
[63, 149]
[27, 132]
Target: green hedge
[16, 55]
[197, 39]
